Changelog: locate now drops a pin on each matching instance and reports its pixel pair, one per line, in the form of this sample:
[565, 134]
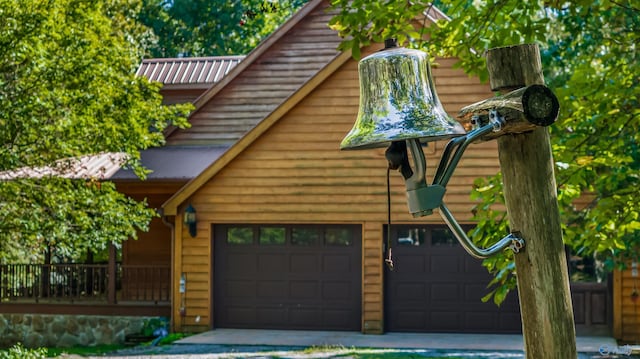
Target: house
[290, 231]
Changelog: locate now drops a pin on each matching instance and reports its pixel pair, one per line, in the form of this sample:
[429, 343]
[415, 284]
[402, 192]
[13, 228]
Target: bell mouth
[359, 144]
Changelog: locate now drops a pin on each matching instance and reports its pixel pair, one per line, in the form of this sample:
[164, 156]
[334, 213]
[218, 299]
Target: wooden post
[111, 275]
[531, 200]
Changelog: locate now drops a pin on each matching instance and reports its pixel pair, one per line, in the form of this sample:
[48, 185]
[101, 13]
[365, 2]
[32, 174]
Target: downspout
[172, 226]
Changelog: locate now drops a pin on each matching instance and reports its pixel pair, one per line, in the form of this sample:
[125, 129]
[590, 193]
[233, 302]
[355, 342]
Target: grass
[333, 351]
[85, 351]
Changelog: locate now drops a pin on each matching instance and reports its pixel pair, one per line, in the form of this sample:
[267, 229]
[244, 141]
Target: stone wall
[45, 330]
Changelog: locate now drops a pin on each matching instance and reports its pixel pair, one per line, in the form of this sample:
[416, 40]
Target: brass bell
[398, 101]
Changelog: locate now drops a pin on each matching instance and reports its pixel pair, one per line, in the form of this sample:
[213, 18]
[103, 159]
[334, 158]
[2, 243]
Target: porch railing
[74, 283]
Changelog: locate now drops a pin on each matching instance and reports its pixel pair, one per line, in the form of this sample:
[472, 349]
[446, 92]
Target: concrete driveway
[282, 344]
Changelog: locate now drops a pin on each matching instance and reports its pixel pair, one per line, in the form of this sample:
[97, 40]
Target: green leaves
[209, 28]
[67, 69]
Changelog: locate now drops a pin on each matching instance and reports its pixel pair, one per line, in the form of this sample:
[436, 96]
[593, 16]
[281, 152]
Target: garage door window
[240, 235]
[408, 236]
[305, 236]
[443, 237]
[272, 235]
[337, 237]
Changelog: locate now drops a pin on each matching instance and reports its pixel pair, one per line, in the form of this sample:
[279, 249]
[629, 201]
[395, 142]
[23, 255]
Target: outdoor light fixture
[399, 109]
[190, 219]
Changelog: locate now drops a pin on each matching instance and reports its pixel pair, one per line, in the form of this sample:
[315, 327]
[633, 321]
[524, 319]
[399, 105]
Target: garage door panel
[304, 290]
[287, 277]
[342, 290]
[480, 321]
[304, 263]
[337, 318]
[240, 288]
[411, 320]
[411, 291]
[242, 315]
[269, 289]
[240, 263]
[444, 264]
[271, 316]
[446, 293]
[303, 316]
[412, 263]
[272, 263]
[337, 263]
[473, 293]
[445, 321]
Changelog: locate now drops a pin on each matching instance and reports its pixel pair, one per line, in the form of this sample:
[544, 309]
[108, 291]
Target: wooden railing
[72, 283]
[145, 283]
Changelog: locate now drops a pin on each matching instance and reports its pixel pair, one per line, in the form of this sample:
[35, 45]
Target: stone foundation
[44, 330]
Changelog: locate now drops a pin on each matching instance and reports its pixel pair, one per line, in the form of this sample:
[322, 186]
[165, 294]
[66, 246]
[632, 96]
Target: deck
[92, 289]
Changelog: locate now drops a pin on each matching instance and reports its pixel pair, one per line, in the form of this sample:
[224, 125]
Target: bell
[398, 101]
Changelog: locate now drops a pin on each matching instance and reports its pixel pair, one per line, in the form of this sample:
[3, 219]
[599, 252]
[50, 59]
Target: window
[411, 236]
[443, 237]
[337, 237]
[240, 235]
[302, 236]
[272, 235]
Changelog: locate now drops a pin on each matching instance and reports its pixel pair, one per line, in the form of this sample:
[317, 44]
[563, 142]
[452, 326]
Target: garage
[436, 287]
[287, 276]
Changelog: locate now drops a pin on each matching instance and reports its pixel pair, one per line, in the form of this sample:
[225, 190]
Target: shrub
[20, 352]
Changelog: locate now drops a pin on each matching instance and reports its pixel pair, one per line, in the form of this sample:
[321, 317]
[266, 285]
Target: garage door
[436, 287]
[287, 277]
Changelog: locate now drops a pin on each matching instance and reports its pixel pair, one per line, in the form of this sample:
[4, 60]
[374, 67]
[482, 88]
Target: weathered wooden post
[531, 200]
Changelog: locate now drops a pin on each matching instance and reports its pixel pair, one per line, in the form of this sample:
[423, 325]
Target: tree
[212, 28]
[68, 88]
[591, 57]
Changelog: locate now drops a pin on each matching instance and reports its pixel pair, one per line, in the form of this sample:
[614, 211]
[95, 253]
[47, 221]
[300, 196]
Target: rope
[389, 260]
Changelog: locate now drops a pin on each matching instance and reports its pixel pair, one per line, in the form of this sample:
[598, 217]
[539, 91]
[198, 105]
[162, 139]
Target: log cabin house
[291, 231]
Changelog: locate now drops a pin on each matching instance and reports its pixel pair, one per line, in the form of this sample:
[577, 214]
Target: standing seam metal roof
[188, 70]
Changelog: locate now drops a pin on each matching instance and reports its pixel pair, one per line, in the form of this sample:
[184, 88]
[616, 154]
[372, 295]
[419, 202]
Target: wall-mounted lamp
[190, 219]
[399, 109]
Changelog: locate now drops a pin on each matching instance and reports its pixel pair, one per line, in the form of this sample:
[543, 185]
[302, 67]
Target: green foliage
[96, 350]
[591, 60]
[209, 28]
[151, 326]
[68, 88]
[20, 352]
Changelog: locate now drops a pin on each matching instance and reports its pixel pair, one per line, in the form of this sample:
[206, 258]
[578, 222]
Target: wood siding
[152, 247]
[295, 173]
[626, 311]
[264, 84]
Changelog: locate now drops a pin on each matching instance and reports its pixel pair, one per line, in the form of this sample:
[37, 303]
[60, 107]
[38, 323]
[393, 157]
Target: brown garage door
[436, 287]
[287, 277]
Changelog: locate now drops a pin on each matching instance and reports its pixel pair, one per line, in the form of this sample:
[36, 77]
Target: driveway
[253, 343]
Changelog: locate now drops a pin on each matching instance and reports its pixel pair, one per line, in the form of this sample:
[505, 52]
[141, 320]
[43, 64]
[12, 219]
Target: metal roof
[100, 166]
[188, 70]
[174, 162]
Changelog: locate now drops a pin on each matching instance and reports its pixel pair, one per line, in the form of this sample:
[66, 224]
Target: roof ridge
[197, 58]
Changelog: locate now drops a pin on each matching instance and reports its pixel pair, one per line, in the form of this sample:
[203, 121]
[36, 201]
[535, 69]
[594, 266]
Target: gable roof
[170, 207]
[263, 80]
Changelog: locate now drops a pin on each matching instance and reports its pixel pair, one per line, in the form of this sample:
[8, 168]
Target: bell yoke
[399, 109]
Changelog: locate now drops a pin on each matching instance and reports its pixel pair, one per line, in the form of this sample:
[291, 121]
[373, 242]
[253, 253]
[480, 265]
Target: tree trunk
[531, 200]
